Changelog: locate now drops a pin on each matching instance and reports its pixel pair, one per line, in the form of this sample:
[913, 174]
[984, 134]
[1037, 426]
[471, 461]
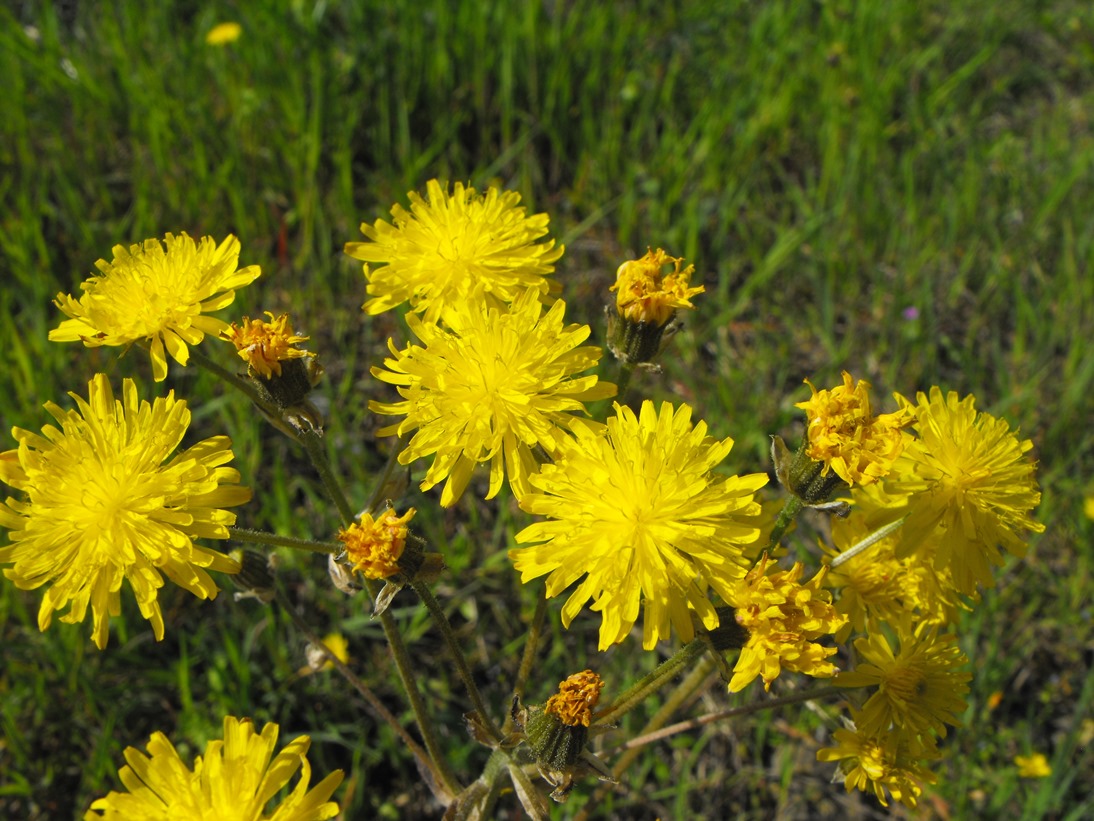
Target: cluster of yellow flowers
[635, 511]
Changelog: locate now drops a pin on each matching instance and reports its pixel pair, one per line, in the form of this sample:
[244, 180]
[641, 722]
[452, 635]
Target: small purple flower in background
[911, 312]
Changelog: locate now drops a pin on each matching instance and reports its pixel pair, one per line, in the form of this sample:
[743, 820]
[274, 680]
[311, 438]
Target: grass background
[828, 166]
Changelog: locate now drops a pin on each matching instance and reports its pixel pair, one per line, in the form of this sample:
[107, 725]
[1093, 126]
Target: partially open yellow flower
[783, 618]
[265, 345]
[847, 437]
[375, 545]
[887, 762]
[645, 293]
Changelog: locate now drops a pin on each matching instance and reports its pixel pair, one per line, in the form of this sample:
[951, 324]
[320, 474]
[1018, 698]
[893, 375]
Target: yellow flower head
[376, 545]
[640, 513]
[576, 698]
[888, 762]
[1033, 766]
[919, 689]
[782, 617]
[453, 248]
[844, 434]
[876, 586]
[159, 293]
[106, 501]
[966, 486]
[646, 294]
[235, 779]
[223, 33]
[265, 345]
[489, 388]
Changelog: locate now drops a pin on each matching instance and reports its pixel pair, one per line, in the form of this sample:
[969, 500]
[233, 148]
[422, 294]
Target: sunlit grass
[901, 189]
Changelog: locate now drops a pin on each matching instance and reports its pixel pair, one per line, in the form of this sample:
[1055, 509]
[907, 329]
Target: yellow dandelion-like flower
[489, 388]
[1033, 766]
[452, 248]
[576, 698]
[847, 437]
[159, 293]
[375, 545]
[645, 293]
[783, 618]
[265, 345]
[639, 511]
[106, 501]
[966, 487]
[889, 762]
[876, 586]
[919, 688]
[223, 33]
[234, 781]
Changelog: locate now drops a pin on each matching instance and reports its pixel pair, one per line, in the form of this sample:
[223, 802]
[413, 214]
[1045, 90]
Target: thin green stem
[378, 492]
[424, 761]
[869, 541]
[626, 371]
[652, 682]
[686, 689]
[791, 509]
[748, 709]
[405, 668]
[313, 444]
[531, 644]
[243, 534]
[233, 379]
[464, 672]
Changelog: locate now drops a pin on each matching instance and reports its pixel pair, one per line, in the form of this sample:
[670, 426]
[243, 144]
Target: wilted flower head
[265, 345]
[158, 293]
[576, 698]
[489, 388]
[453, 248]
[235, 779]
[104, 501]
[642, 515]
[375, 545]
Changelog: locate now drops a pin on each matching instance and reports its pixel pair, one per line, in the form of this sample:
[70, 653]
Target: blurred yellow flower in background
[223, 33]
[1033, 766]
